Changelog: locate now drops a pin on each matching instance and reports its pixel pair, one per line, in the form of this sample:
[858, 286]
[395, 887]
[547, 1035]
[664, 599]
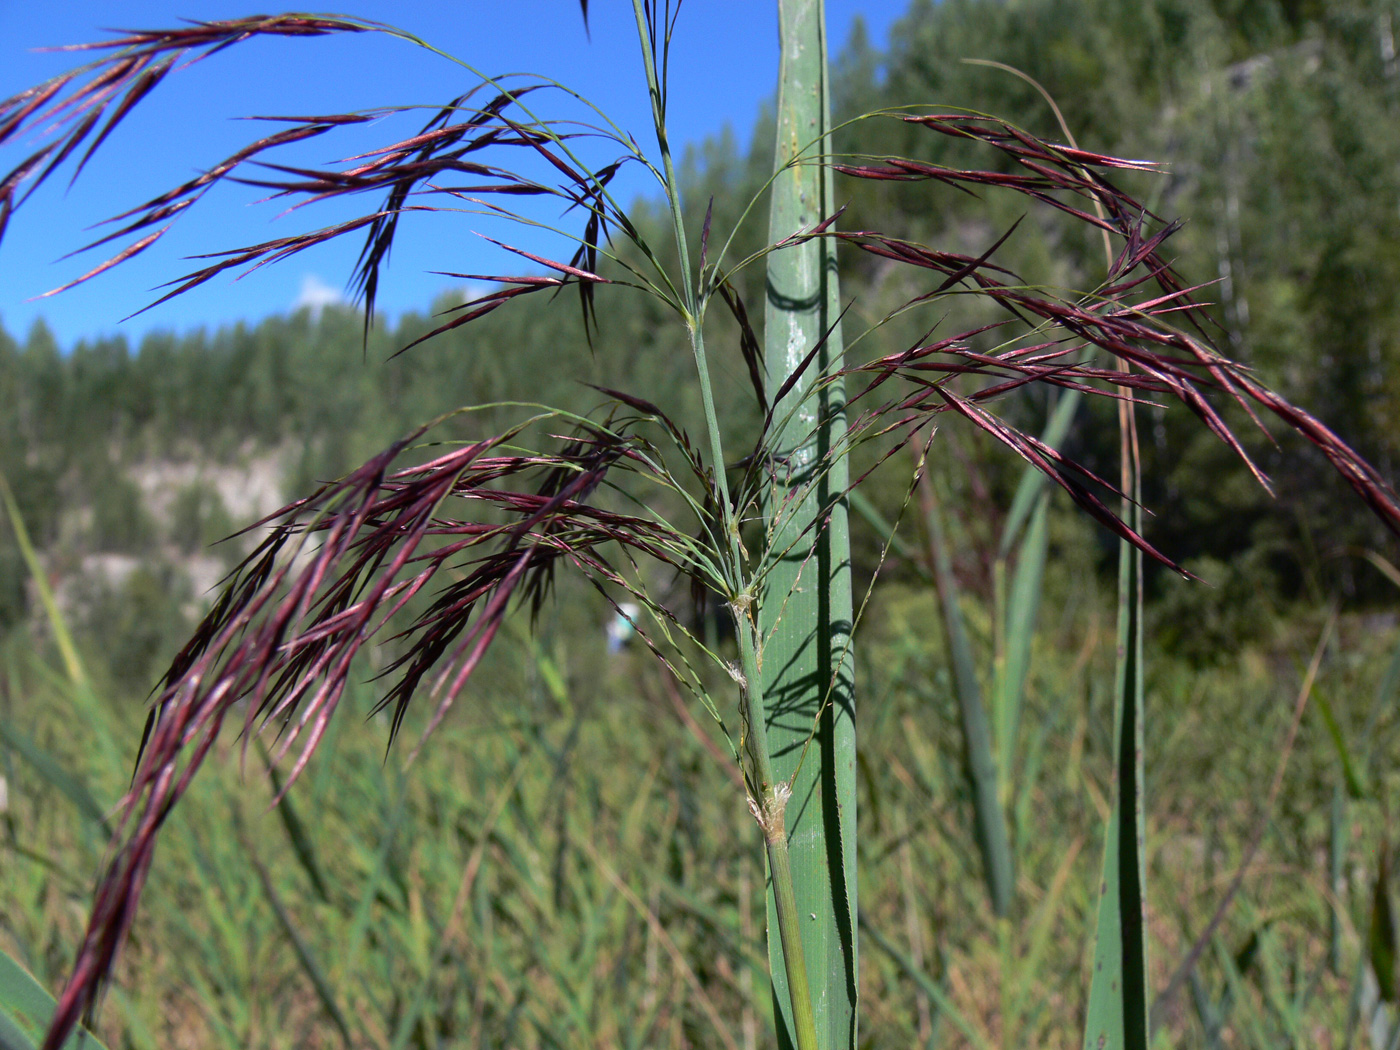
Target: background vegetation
[566, 847]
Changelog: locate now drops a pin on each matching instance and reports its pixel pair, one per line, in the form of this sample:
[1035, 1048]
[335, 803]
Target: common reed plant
[431, 544]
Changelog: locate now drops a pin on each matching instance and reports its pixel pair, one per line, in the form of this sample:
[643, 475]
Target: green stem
[789, 919]
[771, 815]
[771, 810]
[693, 318]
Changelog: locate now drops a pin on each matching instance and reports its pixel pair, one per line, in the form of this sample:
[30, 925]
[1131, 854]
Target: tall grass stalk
[805, 606]
[794, 974]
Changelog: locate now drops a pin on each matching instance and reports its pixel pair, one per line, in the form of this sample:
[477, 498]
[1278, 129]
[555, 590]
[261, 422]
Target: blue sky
[723, 69]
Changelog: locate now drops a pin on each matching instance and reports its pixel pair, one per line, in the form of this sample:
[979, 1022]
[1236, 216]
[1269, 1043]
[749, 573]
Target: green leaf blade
[25, 1010]
[1117, 1017]
[805, 609]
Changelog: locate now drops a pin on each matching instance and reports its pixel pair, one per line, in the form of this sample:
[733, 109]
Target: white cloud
[460, 293]
[316, 295]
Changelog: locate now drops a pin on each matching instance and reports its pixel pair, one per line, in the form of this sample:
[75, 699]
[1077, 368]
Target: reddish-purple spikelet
[74, 104]
[284, 636]
[1132, 330]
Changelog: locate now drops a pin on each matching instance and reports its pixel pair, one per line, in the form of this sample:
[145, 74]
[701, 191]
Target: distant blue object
[622, 626]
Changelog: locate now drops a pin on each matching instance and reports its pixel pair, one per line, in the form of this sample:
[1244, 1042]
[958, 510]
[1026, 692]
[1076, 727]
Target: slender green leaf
[297, 834]
[1022, 611]
[979, 756]
[92, 708]
[314, 973]
[1350, 775]
[1118, 1005]
[62, 637]
[1033, 481]
[1017, 616]
[25, 1009]
[52, 771]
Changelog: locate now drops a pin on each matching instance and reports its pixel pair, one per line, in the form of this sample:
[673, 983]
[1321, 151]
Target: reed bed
[502, 890]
